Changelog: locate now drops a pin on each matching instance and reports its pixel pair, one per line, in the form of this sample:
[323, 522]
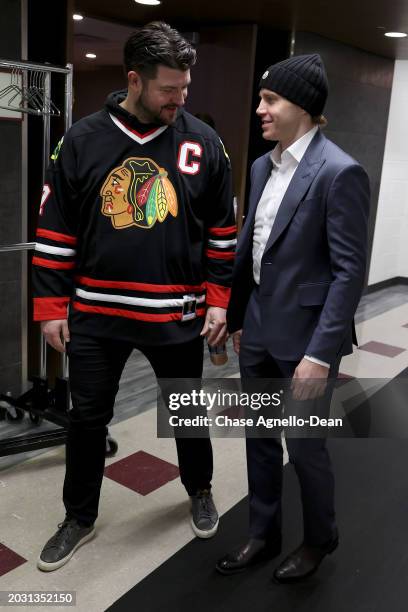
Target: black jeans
[95, 367]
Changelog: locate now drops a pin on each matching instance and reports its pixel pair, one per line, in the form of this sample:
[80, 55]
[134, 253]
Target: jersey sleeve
[221, 230]
[54, 257]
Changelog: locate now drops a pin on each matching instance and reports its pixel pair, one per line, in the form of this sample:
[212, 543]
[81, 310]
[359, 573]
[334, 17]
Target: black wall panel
[10, 214]
[358, 104]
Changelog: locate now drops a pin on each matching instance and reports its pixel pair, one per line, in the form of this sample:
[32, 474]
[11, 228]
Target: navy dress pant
[309, 456]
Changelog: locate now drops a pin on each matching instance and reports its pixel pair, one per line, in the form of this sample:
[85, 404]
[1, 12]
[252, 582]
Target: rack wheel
[36, 419]
[111, 447]
[14, 414]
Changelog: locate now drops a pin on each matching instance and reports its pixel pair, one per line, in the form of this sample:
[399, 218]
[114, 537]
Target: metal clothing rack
[29, 92]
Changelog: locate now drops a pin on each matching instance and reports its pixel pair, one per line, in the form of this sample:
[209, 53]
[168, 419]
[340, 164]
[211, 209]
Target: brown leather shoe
[253, 552]
[303, 562]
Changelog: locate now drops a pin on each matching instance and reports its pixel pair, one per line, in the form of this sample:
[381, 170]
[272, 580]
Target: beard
[149, 115]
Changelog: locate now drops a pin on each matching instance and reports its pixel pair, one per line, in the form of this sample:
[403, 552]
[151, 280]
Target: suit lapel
[260, 181]
[258, 185]
[309, 166]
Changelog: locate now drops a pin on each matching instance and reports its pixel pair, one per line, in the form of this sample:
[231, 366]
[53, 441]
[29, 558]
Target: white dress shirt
[284, 166]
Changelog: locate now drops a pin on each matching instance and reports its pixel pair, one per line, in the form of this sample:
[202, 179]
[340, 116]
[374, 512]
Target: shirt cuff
[318, 361]
[217, 295]
[50, 308]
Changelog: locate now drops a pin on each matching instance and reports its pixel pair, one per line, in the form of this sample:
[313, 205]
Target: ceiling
[360, 23]
[103, 38]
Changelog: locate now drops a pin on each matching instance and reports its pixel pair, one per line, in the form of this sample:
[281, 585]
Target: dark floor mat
[366, 574]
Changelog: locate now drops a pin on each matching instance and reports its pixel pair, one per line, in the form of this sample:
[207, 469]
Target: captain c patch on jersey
[138, 193]
[189, 154]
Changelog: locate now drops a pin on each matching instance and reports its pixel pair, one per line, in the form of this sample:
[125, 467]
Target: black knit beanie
[301, 79]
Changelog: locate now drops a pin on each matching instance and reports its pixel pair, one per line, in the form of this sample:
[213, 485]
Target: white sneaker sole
[200, 533]
[50, 567]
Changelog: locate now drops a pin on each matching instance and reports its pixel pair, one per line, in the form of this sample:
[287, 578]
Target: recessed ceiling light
[90, 55]
[77, 17]
[150, 2]
[395, 34]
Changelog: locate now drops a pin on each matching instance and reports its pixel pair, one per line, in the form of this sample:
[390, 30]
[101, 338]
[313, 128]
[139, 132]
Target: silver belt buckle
[189, 308]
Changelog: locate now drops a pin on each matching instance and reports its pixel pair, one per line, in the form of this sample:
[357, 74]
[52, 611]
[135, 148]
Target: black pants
[95, 367]
[309, 456]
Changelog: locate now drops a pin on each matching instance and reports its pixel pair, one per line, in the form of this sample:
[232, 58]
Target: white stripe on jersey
[222, 244]
[46, 248]
[141, 140]
[124, 299]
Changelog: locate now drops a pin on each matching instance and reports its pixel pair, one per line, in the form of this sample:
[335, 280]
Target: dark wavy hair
[157, 43]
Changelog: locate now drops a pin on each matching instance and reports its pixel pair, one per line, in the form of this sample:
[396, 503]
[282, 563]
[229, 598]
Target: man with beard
[136, 235]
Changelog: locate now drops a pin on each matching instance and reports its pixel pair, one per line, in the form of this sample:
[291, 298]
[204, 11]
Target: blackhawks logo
[138, 193]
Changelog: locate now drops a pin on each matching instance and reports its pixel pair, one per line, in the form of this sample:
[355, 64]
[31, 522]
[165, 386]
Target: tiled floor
[381, 348]
[144, 512]
[9, 560]
[142, 472]
[135, 533]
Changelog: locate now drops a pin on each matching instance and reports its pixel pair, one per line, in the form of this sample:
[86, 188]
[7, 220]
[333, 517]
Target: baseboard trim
[390, 282]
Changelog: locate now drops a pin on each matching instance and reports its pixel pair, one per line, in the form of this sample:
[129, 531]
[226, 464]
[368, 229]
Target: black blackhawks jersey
[136, 228]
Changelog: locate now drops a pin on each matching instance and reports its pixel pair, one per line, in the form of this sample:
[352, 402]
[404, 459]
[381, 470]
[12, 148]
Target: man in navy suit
[299, 274]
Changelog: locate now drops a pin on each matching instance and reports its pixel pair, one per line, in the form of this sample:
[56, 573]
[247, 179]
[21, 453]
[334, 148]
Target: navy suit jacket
[313, 266]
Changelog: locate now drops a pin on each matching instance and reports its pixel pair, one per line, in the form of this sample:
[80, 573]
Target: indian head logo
[138, 193]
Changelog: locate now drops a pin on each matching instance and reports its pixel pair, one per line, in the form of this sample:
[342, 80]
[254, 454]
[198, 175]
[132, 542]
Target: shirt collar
[296, 150]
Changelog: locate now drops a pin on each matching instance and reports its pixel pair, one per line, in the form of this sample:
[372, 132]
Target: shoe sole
[50, 567]
[204, 535]
[305, 576]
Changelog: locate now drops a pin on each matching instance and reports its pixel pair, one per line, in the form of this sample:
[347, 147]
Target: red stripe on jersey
[136, 132]
[219, 254]
[44, 233]
[130, 314]
[55, 265]
[222, 231]
[48, 308]
[217, 295]
[92, 282]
